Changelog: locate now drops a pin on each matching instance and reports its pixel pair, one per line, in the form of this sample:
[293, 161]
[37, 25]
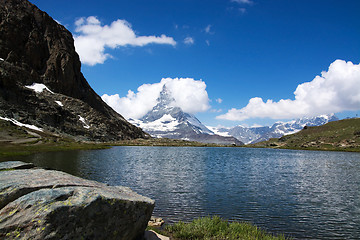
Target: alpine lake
[301, 194]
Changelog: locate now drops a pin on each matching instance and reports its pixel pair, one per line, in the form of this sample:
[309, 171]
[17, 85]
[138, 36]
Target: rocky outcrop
[45, 204]
[36, 49]
[156, 222]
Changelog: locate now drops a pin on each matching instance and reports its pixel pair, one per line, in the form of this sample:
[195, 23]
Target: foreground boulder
[45, 204]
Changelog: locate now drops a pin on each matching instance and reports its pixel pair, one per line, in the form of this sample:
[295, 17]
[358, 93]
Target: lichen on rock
[43, 204]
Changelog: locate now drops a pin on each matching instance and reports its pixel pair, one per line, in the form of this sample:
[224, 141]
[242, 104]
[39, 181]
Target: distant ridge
[250, 135]
[342, 135]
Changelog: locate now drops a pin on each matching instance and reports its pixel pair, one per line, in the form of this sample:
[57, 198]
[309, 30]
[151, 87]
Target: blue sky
[240, 49]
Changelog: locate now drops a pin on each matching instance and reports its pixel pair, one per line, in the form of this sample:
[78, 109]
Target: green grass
[165, 142]
[47, 145]
[215, 228]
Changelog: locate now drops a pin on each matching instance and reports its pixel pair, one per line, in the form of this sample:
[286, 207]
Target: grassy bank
[12, 150]
[341, 135]
[166, 142]
[211, 228]
[17, 141]
[8, 149]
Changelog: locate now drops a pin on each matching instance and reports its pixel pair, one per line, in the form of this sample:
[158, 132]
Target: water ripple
[304, 194]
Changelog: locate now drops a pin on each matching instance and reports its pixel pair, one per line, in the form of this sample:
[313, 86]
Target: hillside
[41, 83]
[343, 135]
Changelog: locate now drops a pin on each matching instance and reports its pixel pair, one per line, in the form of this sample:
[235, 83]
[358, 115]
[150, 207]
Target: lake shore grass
[13, 150]
[8, 149]
[341, 135]
[210, 228]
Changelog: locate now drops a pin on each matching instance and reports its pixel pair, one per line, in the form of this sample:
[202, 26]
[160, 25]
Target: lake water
[303, 194]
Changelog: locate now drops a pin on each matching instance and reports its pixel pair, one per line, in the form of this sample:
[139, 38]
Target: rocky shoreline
[45, 204]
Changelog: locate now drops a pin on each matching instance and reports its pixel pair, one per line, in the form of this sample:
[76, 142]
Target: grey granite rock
[15, 165]
[44, 204]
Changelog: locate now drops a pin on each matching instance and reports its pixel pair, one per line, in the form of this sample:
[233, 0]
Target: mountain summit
[166, 120]
[41, 83]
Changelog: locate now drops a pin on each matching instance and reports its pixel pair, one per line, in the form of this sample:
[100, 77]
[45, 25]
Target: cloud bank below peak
[336, 90]
[189, 94]
[93, 38]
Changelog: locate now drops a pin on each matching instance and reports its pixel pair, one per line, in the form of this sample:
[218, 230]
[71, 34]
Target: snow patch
[216, 131]
[81, 119]
[17, 123]
[195, 122]
[59, 103]
[39, 88]
[1, 59]
[292, 132]
[165, 123]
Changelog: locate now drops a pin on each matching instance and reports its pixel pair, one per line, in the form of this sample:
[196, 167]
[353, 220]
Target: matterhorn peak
[165, 98]
[170, 121]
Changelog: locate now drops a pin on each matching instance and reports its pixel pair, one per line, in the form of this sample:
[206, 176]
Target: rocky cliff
[35, 49]
[45, 204]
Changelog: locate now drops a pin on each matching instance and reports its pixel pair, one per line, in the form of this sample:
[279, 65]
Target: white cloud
[208, 28]
[243, 1]
[219, 100]
[207, 42]
[189, 94]
[213, 110]
[93, 39]
[336, 90]
[189, 41]
[242, 10]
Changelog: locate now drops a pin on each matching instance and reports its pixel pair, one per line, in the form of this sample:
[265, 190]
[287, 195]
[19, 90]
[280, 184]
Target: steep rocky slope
[36, 51]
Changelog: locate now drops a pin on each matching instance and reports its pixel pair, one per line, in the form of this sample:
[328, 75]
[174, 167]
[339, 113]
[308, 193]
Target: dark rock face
[44, 204]
[36, 49]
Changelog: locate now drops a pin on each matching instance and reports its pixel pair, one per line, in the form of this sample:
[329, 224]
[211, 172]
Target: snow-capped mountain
[166, 120]
[277, 130]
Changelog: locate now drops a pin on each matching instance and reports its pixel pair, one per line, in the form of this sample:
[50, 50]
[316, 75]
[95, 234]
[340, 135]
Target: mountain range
[250, 135]
[166, 120]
